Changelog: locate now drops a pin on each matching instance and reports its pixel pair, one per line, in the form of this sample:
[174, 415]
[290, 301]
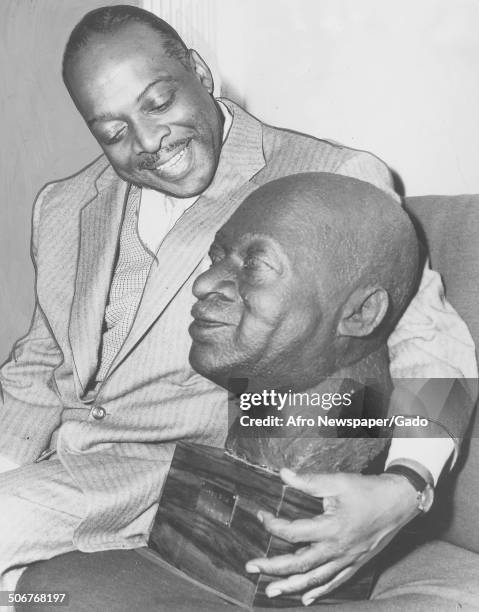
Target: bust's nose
[219, 280]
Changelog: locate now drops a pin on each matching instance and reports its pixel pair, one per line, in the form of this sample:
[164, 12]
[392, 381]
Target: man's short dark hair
[110, 19]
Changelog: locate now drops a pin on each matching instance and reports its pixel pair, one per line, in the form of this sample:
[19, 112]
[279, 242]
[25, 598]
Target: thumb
[317, 485]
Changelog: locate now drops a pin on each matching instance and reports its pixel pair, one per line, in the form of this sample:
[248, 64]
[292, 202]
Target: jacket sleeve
[369, 168]
[433, 362]
[29, 407]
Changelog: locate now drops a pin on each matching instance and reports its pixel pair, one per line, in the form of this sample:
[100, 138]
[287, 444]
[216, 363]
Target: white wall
[398, 77]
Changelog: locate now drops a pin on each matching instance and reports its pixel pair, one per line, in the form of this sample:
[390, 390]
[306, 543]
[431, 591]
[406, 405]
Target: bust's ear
[363, 311]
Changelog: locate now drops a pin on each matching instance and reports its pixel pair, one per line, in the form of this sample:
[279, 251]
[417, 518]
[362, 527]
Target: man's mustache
[149, 161]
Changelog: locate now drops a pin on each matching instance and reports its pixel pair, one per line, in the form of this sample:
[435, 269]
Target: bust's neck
[302, 447]
[373, 367]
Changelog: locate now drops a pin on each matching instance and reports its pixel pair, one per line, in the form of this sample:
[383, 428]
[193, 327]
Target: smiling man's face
[262, 312]
[154, 117]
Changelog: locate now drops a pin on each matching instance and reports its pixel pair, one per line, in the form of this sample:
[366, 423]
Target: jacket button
[98, 413]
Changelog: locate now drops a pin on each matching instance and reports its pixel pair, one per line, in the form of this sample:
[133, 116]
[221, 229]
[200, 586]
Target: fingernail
[308, 602]
[252, 569]
[260, 517]
[273, 593]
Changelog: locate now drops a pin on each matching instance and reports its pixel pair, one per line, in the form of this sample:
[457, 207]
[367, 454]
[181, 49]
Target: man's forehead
[103, 76]
[140, 93]
[132, 40]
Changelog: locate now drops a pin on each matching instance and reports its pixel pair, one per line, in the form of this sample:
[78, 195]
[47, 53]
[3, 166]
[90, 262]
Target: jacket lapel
[99, 229]
[188, 242]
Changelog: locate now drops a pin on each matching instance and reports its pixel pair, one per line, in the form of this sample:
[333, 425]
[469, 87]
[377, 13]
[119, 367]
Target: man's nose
[219, 280]
[148, 135]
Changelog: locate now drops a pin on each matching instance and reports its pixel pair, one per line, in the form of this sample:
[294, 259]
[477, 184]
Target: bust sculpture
[308, 278]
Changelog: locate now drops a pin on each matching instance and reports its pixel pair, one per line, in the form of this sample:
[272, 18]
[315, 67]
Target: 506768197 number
[50, 598]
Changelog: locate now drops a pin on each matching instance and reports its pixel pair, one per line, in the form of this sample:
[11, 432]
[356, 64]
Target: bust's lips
[208, 323]
[201, 329]
[205, 321]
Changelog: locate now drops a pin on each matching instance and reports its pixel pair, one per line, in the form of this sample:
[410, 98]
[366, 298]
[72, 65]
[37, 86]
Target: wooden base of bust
[207, 525]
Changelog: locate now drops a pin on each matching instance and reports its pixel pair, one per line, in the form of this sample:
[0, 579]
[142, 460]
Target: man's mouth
[177, 165]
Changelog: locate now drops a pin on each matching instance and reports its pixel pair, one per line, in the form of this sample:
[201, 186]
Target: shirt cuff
[432, 453]
[7, 465]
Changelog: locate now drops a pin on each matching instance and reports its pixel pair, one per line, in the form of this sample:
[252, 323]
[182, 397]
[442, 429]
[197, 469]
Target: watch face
[426, 499]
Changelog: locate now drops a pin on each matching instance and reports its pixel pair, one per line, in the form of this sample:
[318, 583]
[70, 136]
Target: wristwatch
[424, 487]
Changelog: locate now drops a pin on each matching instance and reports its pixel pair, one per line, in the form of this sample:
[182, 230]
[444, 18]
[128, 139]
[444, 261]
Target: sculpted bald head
[309, 275]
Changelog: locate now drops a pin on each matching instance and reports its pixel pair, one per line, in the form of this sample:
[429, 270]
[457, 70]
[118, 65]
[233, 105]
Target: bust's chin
[201, 362]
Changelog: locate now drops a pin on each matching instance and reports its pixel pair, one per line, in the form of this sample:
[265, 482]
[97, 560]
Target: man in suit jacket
[96, 394]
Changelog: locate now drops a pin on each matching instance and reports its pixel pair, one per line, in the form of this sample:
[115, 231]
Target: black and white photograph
[239, 305]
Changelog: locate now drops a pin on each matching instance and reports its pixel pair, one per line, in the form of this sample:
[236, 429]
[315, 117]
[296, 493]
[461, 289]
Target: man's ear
[363, 312]
[201, 70]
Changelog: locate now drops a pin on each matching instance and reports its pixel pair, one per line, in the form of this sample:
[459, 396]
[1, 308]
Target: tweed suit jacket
[150, 395]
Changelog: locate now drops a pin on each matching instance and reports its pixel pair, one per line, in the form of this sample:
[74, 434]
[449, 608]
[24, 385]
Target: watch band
[417, 481]
[425, 490]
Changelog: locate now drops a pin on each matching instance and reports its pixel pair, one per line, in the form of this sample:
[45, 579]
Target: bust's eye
[251, 262]
[255, 263]
[216, 254]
